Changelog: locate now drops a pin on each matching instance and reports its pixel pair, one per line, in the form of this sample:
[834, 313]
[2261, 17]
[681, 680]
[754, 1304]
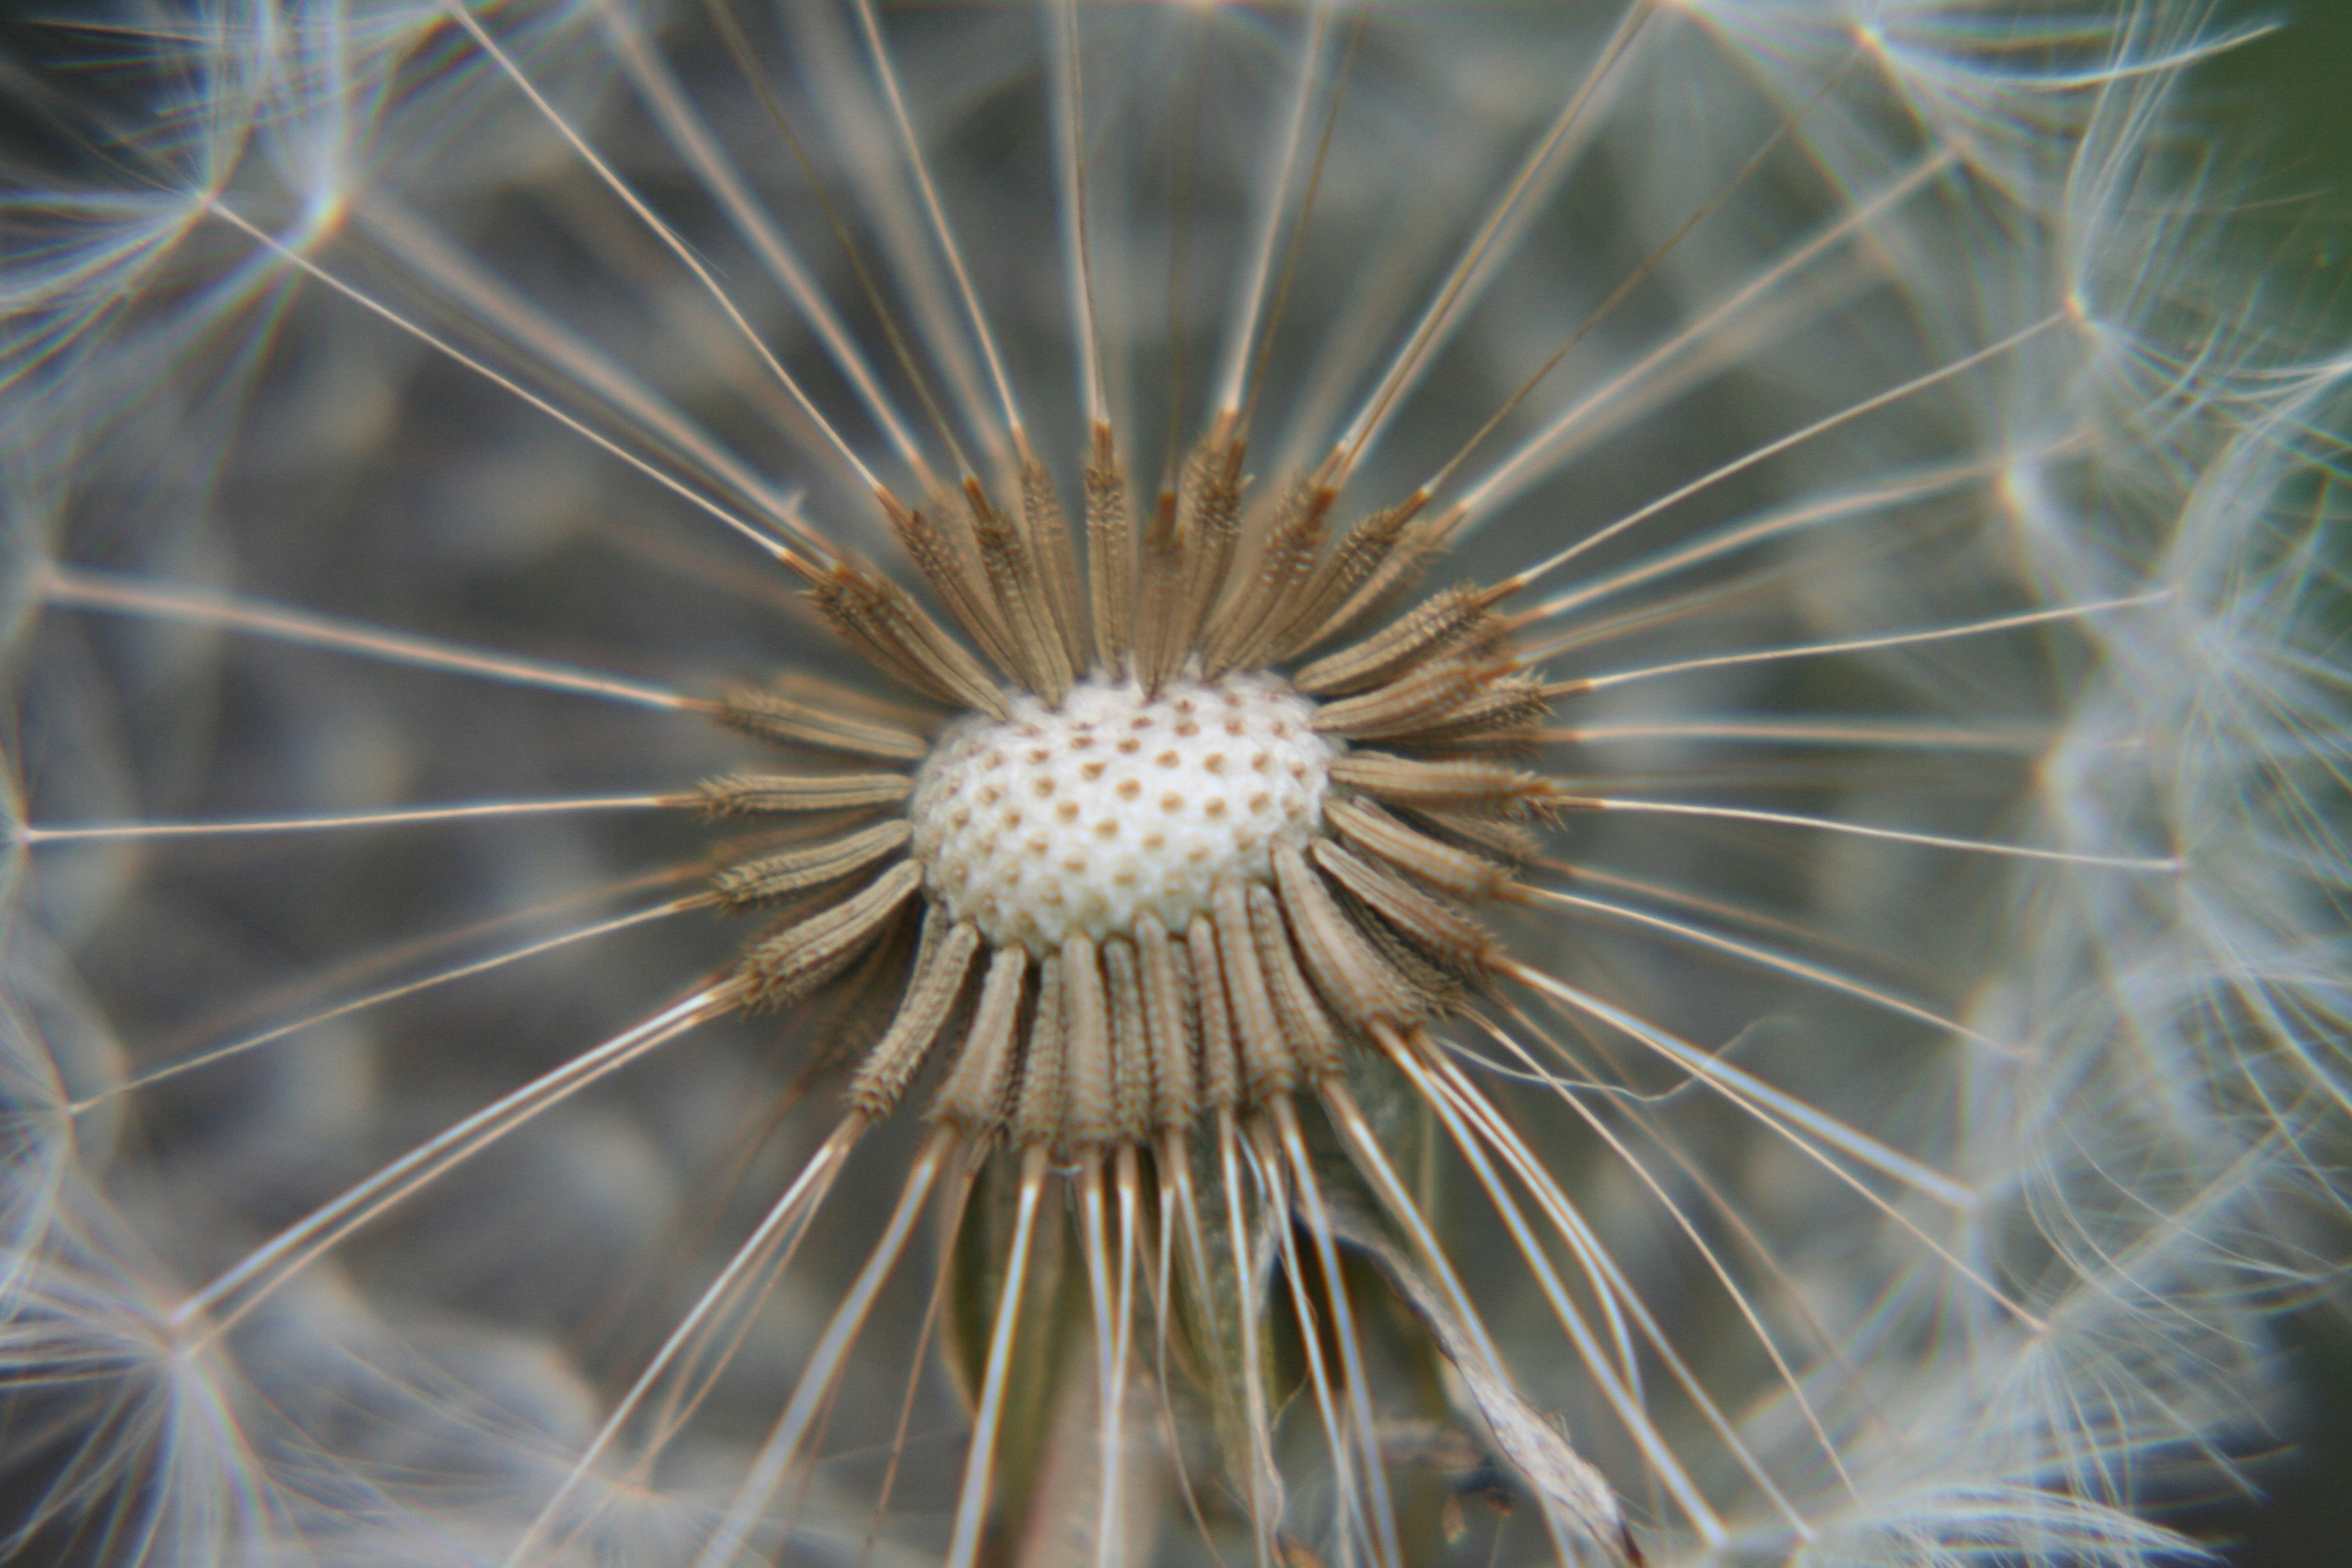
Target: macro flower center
[1071, 820]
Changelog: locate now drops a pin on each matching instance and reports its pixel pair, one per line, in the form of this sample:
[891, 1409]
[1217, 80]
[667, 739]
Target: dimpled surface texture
[1072, 821]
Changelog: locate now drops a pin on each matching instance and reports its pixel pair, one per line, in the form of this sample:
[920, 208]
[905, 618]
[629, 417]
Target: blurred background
[2283, 104]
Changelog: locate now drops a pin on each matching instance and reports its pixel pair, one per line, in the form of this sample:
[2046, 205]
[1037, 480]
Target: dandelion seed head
[1744, 989]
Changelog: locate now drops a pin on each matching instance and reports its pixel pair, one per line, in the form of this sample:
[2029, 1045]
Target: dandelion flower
[1154, 784]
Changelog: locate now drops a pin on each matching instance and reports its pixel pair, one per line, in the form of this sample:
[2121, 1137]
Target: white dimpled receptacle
[1074, 820]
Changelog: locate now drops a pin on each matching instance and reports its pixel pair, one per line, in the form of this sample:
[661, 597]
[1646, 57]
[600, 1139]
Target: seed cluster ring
[1179, 883]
